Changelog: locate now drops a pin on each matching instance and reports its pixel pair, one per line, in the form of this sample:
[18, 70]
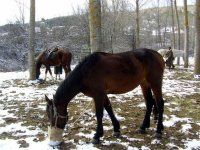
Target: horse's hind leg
[157, 90]
[67, 70]
[115, 122]
[155, 112]
[149, 101]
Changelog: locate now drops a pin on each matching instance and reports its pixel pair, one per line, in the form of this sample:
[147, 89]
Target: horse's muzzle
[55, 136]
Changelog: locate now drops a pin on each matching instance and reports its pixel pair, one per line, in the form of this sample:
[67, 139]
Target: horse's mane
[72, 84]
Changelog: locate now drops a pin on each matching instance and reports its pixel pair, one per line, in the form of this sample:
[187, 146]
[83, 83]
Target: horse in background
[100, 74]
[54, 57]
[176, 53]
[58, 71]
[170, 58]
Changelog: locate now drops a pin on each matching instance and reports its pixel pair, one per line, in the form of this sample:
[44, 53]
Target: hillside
[118, 32]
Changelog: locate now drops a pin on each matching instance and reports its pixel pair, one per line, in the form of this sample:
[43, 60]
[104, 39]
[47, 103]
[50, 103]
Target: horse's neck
[67, 91]
[38, 64]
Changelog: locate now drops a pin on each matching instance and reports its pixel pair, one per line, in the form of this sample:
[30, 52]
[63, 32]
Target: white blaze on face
[55, 136]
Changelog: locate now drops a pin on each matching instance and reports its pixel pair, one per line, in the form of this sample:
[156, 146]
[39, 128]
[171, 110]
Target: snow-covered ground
[15, 89]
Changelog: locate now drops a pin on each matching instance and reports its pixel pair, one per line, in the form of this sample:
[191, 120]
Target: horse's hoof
[158, 135]
[95, 141]
[116, 134]
[141, 131]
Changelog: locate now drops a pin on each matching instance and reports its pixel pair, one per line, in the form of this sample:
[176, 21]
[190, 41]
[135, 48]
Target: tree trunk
[178, 28]
[137, 25]
[173, 34]
[165, 31]
[186, 35]
[197, 39]
[31, 59]
[95, 25]
[158, 25]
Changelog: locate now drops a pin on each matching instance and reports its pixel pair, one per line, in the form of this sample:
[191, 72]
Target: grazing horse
[100, 74]
[54, 57]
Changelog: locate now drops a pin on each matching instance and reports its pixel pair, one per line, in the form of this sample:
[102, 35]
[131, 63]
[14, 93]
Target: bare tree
[137, 24]
[186, 35]
[178, 29]
[110, 16]
[165, 20]
[115, 25]
[21, 7]
[197, 38]
[95, 25]
[32, 72]
[158, 24]
[173, 32]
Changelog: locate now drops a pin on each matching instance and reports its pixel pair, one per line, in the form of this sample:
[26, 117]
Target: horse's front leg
[45, 77]
[115, 122]
[51, 73]
[48, 69]
[99, 116]
[149, 101]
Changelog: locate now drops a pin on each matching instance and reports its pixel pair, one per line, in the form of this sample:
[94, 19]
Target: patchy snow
[173, 119]
[192, 144]
[31, 93]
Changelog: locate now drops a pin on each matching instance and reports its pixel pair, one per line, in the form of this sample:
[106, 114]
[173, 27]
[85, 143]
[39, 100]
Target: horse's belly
[123, 85]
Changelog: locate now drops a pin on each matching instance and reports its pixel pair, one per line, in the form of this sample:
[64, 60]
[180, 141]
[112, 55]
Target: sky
[9, 9]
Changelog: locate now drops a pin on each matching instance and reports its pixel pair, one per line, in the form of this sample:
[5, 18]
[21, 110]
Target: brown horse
[100, 74]
[54, 57]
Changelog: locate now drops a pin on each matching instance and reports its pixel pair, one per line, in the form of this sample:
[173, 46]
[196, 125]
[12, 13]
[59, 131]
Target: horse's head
[57, 122]
[37, 73]
[37, 67]
[56, 117]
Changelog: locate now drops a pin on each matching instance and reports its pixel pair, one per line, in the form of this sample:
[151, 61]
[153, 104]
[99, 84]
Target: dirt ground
[82, 122]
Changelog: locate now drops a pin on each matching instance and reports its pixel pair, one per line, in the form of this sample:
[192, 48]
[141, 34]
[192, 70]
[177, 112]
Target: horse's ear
[48, 100]
[56, 48]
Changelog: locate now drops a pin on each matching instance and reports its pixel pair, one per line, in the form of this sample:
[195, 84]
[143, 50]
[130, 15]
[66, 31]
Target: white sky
[9, 9]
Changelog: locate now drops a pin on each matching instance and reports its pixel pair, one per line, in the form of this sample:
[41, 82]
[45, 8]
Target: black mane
[72, 84]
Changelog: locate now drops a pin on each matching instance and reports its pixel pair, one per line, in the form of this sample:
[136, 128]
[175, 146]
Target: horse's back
[152, 61]
[65, 54]
[178, 53]
[122, 72]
